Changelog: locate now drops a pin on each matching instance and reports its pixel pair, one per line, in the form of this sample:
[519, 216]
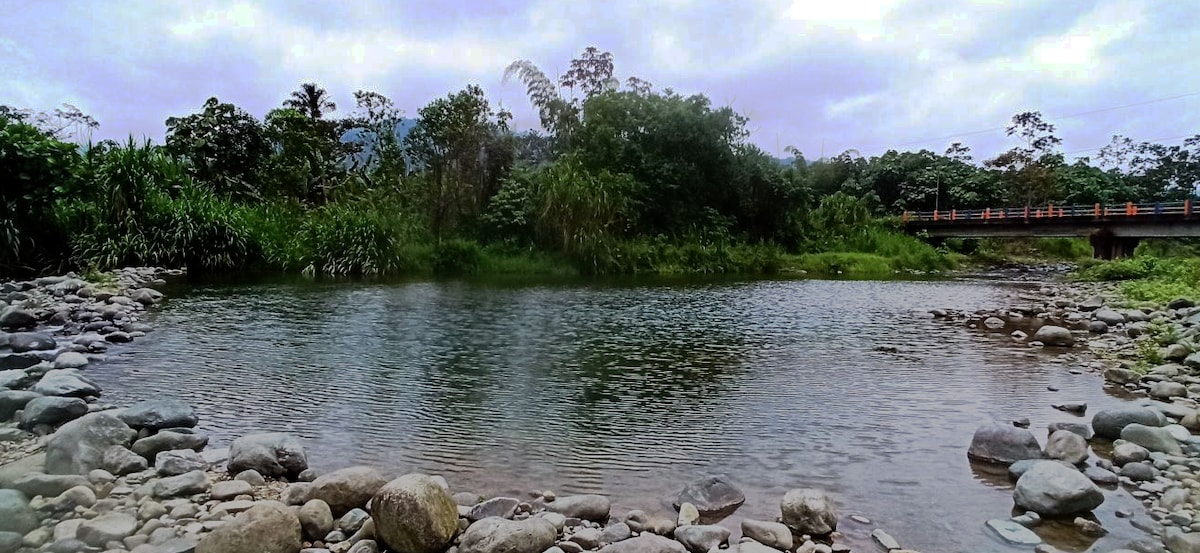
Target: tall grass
[1148, 278]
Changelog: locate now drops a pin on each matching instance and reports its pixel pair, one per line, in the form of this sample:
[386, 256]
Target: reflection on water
[629, 389]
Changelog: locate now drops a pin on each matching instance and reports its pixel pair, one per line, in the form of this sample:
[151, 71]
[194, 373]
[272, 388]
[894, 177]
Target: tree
[378, 122]
[35, 169]
[591, 73]
[1029, 170]
[225, 146]
[311, 100]
[464, 150]
[306, 155]
[66, 123]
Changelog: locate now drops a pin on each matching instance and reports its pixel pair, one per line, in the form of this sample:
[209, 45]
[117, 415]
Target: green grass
[1146, 278]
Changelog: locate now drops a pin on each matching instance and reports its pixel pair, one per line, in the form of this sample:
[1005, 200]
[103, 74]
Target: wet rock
[15, 513]
[70, 360]
[1098, 327]
[1108, 423]
[65, 382]
[771, 534]
[1054, 336]
[884, 540]
[352, 521]
[1108, 317]
[1067, 446]
[1013, 533]
[1051, 489]
[188, 483]
[348, 488]
[12, 401]
[495, 534]
[178, 461]
[1003, 444]
[1101, 476]
[702, 538]
[1089, 527]
[157, 414]
[271, 454]
[14, 318]
[586, 507]
[503, 507]
[78, 447]
[810, 511]
[52, 411]
[415, 515]
[713, 496]
[1074, 407]
[268, 527]
[1083, 429]
[1153, 438]
[645, 543]
[688, 515]
[167, 440]
[316, 519]
[1120, 376]
[21, 342]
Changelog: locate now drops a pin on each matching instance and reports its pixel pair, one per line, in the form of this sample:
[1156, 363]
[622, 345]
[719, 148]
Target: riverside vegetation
[622, 178]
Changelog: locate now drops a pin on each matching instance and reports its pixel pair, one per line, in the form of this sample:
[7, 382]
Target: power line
[1151, 140]
[1058, 118]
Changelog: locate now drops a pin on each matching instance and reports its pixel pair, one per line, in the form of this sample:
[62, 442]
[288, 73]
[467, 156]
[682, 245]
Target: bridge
[1113, 230]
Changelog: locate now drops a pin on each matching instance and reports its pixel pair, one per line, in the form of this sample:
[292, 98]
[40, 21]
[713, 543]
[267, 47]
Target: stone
[1108, 317]
[495, 535]
[120, 461]
[1127, 452]
[146, 296]
[70, 360]
[586, 507]
[771, 534]
[688, 514]
[615, 533]
[503, 507]
[1153, 438]
[1179, 542]
[1051, 489]
[296, 493]
[268, 527]
[809, 511]
[701, 538]
[1089, 527]
[713, 496]
[993, 323]
[1173, 499]
[78, 447]
[1167, 390]
[252, 477]
[1120, 376]
[167, 440]
[1067, 446]
[315, 519]
[271, 454]
[52, 411]
[1003, 444]
[21, 342]
[157, 414]
[106, 528]
[1083, 429]
[1180, 303]
[348, 488]
[15, 513]
[47, 485]
[352, 521]
[13, 318]
[414, 514]
[1101, 476]
[1054, 336]
[587, 538]
[884, 540]
[1138, 472]
[1098, 327]
[188, 483]
[65, 382]
[1108, 423]
[1192, 361]
[1013, 533]
[178, 461]
[229, 489]
[12, 401]
[645, 543]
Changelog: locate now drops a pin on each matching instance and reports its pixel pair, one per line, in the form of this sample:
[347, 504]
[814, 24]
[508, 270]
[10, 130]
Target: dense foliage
[621, 178]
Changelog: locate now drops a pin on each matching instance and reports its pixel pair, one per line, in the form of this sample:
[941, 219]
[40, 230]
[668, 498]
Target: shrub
[453, 257]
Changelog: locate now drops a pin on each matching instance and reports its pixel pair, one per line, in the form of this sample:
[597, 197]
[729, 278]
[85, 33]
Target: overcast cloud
[834, 74]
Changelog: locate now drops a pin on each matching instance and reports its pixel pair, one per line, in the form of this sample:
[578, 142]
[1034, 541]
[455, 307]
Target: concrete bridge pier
[1105, 245]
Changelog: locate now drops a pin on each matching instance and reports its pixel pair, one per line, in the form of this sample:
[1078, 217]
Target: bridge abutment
[1107, 246]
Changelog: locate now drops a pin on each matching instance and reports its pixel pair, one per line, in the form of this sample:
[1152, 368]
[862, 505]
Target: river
[629, 388]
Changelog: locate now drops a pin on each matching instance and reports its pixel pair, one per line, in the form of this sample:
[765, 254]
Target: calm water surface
[629, 389]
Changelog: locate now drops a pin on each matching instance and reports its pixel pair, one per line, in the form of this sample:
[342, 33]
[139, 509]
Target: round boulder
[271, 454]
[1108, 423]
[1067, 446]
[157, 414]
[15, 513]
[495, 534]
[713, 496]
[414, 514]
[1051, 489]
[1003, 444]
[347, 488]
[1054, 336]
[78, 447]
[267, 527]
[809, 511]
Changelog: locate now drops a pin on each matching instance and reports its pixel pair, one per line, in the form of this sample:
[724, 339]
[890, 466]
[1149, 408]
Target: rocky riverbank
[80, 475]
[1146, 449]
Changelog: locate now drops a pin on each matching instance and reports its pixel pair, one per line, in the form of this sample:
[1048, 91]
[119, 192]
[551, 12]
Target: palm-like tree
[311, 100]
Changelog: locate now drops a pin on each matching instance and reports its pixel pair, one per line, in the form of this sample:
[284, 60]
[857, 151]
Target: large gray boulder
[645, 543]
[1108, 316]
[15, 513]
[178, 461]
[498, 535]
[12, 379]
[120, 461]
[66, 382]
[47, 485]
[78, 447]
[1192, 361]
[188, 483]
[1003, 444]
[1108, 423]
[712, 496]
[347, 488]
[52, 411]
[1051, 489]
[1153, 438]
[809, 511]
[591, 507]
[271, 454]
[267, 527]
[771, 534]
[13, 318]
[157, 414]
[1054, 336]
[21, 342]
[414, 514]
[167, 440]
[12, 401]
[1068, 446]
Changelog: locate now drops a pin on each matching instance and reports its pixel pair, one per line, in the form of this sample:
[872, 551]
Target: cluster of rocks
[1149, 350]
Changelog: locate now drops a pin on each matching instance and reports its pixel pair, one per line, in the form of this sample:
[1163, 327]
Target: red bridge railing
[1066, 213]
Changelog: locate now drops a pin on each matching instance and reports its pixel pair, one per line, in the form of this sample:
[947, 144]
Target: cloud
[863, 74]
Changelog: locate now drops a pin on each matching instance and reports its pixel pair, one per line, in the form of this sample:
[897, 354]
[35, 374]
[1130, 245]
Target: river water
[629, 388]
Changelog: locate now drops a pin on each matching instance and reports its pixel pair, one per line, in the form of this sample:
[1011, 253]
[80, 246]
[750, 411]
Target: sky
[823, 76]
